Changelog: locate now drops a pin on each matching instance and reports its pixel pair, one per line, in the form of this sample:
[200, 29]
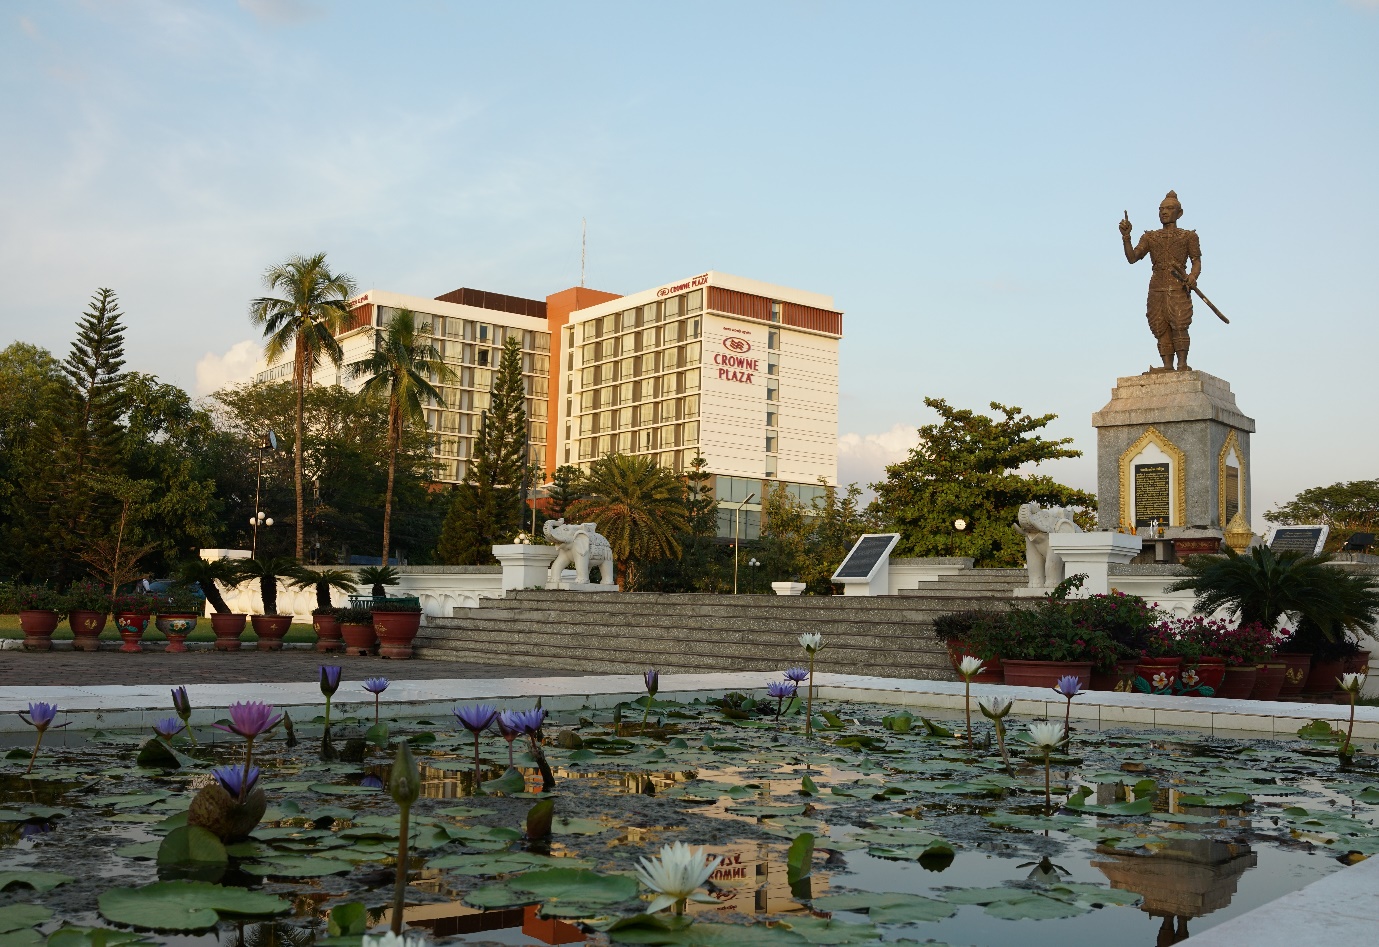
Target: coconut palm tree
[1265, 586]
[305, 319]
[638, 505]
[401, 367]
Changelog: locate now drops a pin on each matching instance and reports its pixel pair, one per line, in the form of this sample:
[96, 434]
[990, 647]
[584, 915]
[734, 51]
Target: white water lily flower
[676, 874]
[1351, 682]
[969, 666]
[811, 641]
[995, 708]
[387, 939]
[1046, 736]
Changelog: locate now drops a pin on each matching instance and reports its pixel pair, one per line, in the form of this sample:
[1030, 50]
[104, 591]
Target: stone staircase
[889, 636]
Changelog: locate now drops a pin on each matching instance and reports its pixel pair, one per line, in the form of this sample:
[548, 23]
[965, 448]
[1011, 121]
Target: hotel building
[744, 372]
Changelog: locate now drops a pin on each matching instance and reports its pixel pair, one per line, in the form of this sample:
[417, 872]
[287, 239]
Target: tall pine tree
[487, 507]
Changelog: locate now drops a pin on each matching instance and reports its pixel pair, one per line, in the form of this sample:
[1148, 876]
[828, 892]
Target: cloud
[28, 26]
[216, 371]
[862, 458]
[283, 12]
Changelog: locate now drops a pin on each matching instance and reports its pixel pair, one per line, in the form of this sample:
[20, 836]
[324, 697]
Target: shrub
[182, 600]
[354, 616]
[1245, 645]
[38, 598]
[958, 626]
[1045, 631]
[1128, 619]
[134, 603]
[88, 597]
[402, 604]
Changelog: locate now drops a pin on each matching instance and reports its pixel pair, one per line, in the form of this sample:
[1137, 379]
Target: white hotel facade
[742, 371]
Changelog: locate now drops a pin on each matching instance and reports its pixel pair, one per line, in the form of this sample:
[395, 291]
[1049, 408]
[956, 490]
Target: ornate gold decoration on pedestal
[1178, 514]
[1231, 442]
[1238, 532]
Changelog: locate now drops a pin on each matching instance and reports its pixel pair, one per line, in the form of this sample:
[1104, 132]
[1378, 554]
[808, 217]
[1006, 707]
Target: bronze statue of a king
[1169, 308]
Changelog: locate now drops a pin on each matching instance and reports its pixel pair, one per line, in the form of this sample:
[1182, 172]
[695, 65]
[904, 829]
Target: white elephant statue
[1045, 566]
[582, 547]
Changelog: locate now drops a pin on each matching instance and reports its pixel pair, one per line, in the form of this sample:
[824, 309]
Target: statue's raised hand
[1125, 225]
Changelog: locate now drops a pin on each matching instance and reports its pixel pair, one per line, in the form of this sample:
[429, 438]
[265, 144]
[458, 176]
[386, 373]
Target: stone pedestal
[1093, 554]
[1174, 446]
[788, 588]
[525, 565]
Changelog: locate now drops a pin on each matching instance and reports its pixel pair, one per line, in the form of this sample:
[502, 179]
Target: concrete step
[792, 627]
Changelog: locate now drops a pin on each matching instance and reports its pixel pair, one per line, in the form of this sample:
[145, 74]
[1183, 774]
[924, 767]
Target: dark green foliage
[209, 575]
[966, 467]
[807, 543]
[956, 627]
[378, 578]
[566, 487]
[639, 507]
[1346, 507]
[93, 373]
[322, 581]
[267, 572]
[354, 616]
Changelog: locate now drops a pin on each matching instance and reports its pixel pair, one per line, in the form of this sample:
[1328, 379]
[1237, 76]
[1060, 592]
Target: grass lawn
[9, 628]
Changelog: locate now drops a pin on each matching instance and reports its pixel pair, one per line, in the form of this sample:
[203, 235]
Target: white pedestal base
[788, 588]
[1093, 554]
[525, 566]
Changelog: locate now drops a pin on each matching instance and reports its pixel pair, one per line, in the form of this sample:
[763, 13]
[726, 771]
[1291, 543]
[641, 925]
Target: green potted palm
[378, 578]
[88, 606]
[324, 617]
[356, 628]
[270, 627]
[177, 611]
[209, 575]
[38, 608]
[131, 612]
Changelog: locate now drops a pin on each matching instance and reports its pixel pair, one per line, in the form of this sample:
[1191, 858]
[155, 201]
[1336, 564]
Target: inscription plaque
[1232, 493]
[1308, 539]
[1151, 493]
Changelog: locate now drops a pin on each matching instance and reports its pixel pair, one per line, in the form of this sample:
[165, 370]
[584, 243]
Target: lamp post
[268, 442]
[737, 546]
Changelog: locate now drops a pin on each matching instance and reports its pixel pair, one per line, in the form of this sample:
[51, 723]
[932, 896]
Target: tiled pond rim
[1342, 907]
[136, 705]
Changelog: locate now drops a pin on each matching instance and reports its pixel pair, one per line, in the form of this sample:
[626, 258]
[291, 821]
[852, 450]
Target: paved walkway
[80, 669]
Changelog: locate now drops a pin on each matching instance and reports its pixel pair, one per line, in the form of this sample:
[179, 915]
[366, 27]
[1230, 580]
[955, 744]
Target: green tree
[33, 391]
[398, 370]
[566, 487]
[638, 505]
[487, 507]
[305, 320]
[967, 467]
[1346, 507]
[93, 370]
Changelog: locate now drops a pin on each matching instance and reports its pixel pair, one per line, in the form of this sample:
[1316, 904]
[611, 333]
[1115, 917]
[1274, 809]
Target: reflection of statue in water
[1171, 284]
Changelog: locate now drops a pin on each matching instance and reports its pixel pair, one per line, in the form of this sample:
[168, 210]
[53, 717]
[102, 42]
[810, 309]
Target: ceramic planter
[359, 639]
[395, 632]
[1324, 676]
[1205, 672]
[175, 627]
[228, 627]
[1044, 673]
[271, 629]
[38, 625]
[1120, 680]
[1295, 674]
[131, 627]
[992, 671]
[86, 628]
[1269, 680]
[327, 633]
[1358, 663]
[1239, 682]
[1159, 675]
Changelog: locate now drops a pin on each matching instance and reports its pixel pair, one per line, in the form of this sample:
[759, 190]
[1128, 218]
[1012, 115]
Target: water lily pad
[38, 880]
[96, 937]
[1225, 800]
[15, 917]
[573, 884]
[564, 825]
[298, 866]
[185, 905]
[888, 907]
[499, 896]
[191, 845]
[501, 863]
[766, 810]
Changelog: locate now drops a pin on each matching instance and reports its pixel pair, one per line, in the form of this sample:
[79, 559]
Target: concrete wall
[441, 590]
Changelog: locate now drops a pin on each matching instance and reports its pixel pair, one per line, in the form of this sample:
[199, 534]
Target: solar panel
[865, 554]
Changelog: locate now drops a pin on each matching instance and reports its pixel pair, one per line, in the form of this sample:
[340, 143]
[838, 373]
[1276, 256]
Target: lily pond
[882, 827]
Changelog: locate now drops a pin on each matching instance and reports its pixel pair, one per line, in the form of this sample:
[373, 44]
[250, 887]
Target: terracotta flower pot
[86, 629]
[1323, 677]
[1269, 680]
[1295, 674]
[1207, 672]
[1239, 682]
[175, 627]
[992, 672]
[1045, 673]
[271, 629]
[131, 628]
[395, 632]
[38, 625]
[359, 639]
[327, 633]
[1159, 675]
[1121, 680]
[1358, 663]
[228, 627]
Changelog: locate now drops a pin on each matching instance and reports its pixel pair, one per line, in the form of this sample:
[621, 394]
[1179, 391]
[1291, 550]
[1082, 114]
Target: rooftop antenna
[583, 246]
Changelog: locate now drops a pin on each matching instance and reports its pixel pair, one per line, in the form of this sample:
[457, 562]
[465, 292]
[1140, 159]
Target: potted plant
[1041, 643]
[177, 611]
[356, 628]
[1297, 662]
[324, 616]
[208, 575]
[1128, 620]
[38, 608]
[270, 627]
[396, 622]
[378, 578]
[1244, 647]
[969, 632]
[1204, 664]
[131, 614]
[88, 606]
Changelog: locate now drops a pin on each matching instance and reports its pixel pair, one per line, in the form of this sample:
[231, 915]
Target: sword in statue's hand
[1200, 295]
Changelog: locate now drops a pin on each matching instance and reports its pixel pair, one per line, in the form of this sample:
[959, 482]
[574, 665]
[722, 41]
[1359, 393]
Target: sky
[952, 174]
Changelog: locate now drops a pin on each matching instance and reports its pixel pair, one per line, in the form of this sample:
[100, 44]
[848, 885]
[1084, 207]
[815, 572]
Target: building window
[775, 312]
[771, 466]
[483, 356]
[771, 443]
[773, 340]
[772, 419]
[693, 329]
[694, 301]
[772, 390]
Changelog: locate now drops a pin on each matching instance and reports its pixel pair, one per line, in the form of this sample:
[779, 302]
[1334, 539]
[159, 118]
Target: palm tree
[1266, 586]
[400, 366]
[267, 572]
[324, 581]
[638, 505]
[306, 319]
[207, 572]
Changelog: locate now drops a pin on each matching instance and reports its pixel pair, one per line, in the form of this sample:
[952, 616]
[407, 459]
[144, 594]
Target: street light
[737, 546]
[752, 564]
[268, 442]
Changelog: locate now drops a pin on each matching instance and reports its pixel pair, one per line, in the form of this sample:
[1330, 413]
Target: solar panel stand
[865, 570]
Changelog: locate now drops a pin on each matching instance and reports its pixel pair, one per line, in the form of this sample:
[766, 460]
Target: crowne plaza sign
[736, 364]
[702, 280]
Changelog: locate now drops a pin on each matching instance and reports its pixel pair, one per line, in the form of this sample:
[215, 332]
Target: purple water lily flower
[372, 781]
[1069, 686]
[375, 685]
[168, 727]
[41, 715]
[527, 721]
[235, 781]
[250, 719]
[330, 679]
[181, 703]
[508, 730]
[652, 678]
[797, 675]
[476, 718]
[781, 689]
